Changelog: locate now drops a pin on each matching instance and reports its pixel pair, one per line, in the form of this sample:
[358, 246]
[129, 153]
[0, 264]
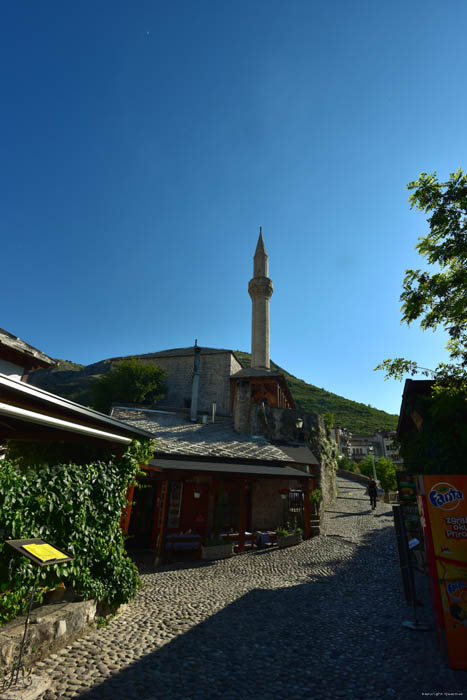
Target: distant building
[357, 447]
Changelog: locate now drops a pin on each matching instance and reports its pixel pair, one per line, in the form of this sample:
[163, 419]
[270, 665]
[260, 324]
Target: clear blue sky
[143, 143]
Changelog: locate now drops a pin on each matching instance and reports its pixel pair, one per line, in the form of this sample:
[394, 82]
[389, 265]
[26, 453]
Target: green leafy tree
[438, 297]
[385, 472]
[329, 419]
[130, 381]
[348, 465]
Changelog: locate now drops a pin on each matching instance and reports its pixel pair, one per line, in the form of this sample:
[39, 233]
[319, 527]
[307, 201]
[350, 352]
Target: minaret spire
[260, 289]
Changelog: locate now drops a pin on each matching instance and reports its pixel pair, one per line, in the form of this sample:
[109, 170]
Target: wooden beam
[126, 511]
[165, 485]
[241, 524]
[306, 510]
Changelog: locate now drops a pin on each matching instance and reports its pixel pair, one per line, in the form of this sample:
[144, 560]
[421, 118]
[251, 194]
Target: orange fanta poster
[446, 511]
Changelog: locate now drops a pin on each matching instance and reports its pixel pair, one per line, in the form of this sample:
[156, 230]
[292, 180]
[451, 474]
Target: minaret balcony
[260, 287]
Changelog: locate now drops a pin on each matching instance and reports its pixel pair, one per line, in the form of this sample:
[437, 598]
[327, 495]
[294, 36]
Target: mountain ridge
[74, 381]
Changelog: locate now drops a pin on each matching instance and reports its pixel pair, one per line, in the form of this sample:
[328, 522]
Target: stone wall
[241, 407]
[52, 627]
[214, 381]
[279, 424]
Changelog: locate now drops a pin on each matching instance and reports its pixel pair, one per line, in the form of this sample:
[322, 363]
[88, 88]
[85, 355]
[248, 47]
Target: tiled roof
[10, 341]
[177, 352]
[174, 433]
[255, 372]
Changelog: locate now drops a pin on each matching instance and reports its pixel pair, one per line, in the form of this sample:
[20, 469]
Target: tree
[329, 419]
[347, 464]
[130, 381]
[439, 298]
[385, 472]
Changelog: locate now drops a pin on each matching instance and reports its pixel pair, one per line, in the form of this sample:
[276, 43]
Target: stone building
[231, 434]
[381, 443]
[201, 380]
[216, 367]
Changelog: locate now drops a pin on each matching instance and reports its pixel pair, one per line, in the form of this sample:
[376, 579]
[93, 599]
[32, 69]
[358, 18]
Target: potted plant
[288, 537]
[315, 501]
[214, 547]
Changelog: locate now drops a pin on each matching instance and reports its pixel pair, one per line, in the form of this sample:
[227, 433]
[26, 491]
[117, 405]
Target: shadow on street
[302, 641]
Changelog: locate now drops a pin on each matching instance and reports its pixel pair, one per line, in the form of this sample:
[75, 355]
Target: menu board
[40, 552]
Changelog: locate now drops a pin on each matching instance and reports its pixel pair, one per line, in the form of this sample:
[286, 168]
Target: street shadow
[342, 514]
[300, 641]
[351, 498]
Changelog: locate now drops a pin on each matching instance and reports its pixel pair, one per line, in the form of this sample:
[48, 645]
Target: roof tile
[174, 433]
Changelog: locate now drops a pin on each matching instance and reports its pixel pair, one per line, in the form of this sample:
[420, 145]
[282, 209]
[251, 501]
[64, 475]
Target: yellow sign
[44, 552]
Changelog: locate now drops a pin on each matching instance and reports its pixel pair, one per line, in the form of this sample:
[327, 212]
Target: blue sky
[143, 143]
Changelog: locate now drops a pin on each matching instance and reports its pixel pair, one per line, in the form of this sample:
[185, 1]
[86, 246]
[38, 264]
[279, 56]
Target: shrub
[348, 465]
[315, 496]
[129, 381]
[385, 472]
[76, 507]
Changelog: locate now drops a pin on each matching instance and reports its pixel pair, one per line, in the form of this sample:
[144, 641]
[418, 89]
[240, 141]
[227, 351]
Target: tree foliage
[130, 381]
[348, 465]
[385, 471]
[438, 297]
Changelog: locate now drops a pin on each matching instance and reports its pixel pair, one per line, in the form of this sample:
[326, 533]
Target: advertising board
[445, 509]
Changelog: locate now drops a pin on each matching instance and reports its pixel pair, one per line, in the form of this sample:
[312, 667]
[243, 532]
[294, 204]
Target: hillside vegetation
[357, 417]
[74, 382]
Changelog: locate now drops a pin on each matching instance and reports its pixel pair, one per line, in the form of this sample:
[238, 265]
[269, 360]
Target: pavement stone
[319, 620]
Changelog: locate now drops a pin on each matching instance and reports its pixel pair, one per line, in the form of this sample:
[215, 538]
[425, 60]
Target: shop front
[190, 502]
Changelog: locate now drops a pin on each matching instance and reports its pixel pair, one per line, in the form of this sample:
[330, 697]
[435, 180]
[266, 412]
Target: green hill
[357, 417]
[74, 382]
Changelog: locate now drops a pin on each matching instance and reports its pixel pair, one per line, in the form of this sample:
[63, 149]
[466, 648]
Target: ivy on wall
[76, 507]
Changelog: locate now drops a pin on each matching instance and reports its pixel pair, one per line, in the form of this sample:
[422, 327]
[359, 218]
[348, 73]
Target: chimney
[195, 388]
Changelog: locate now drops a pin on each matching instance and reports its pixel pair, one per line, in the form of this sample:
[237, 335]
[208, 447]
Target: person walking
[372, 492]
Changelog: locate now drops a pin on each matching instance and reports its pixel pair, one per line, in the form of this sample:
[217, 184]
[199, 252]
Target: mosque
[228, 437]
[206, 381]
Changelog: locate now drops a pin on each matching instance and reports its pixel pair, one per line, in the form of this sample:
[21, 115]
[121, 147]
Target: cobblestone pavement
[320, 620]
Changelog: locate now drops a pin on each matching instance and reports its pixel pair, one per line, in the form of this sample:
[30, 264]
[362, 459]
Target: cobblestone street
[320, 620]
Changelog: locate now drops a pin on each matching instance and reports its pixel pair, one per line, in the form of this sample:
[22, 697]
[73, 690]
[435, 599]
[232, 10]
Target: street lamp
[371, 451]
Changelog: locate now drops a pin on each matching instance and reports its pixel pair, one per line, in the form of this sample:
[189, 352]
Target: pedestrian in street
[372, 492]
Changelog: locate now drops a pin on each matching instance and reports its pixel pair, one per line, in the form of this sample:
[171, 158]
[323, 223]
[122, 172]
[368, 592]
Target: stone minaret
[260, 290]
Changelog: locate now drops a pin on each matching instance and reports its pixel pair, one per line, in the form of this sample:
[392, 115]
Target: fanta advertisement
[458, 591]
[445, 496]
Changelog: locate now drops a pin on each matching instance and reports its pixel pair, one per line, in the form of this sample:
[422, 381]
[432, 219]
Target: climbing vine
[77, 507]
